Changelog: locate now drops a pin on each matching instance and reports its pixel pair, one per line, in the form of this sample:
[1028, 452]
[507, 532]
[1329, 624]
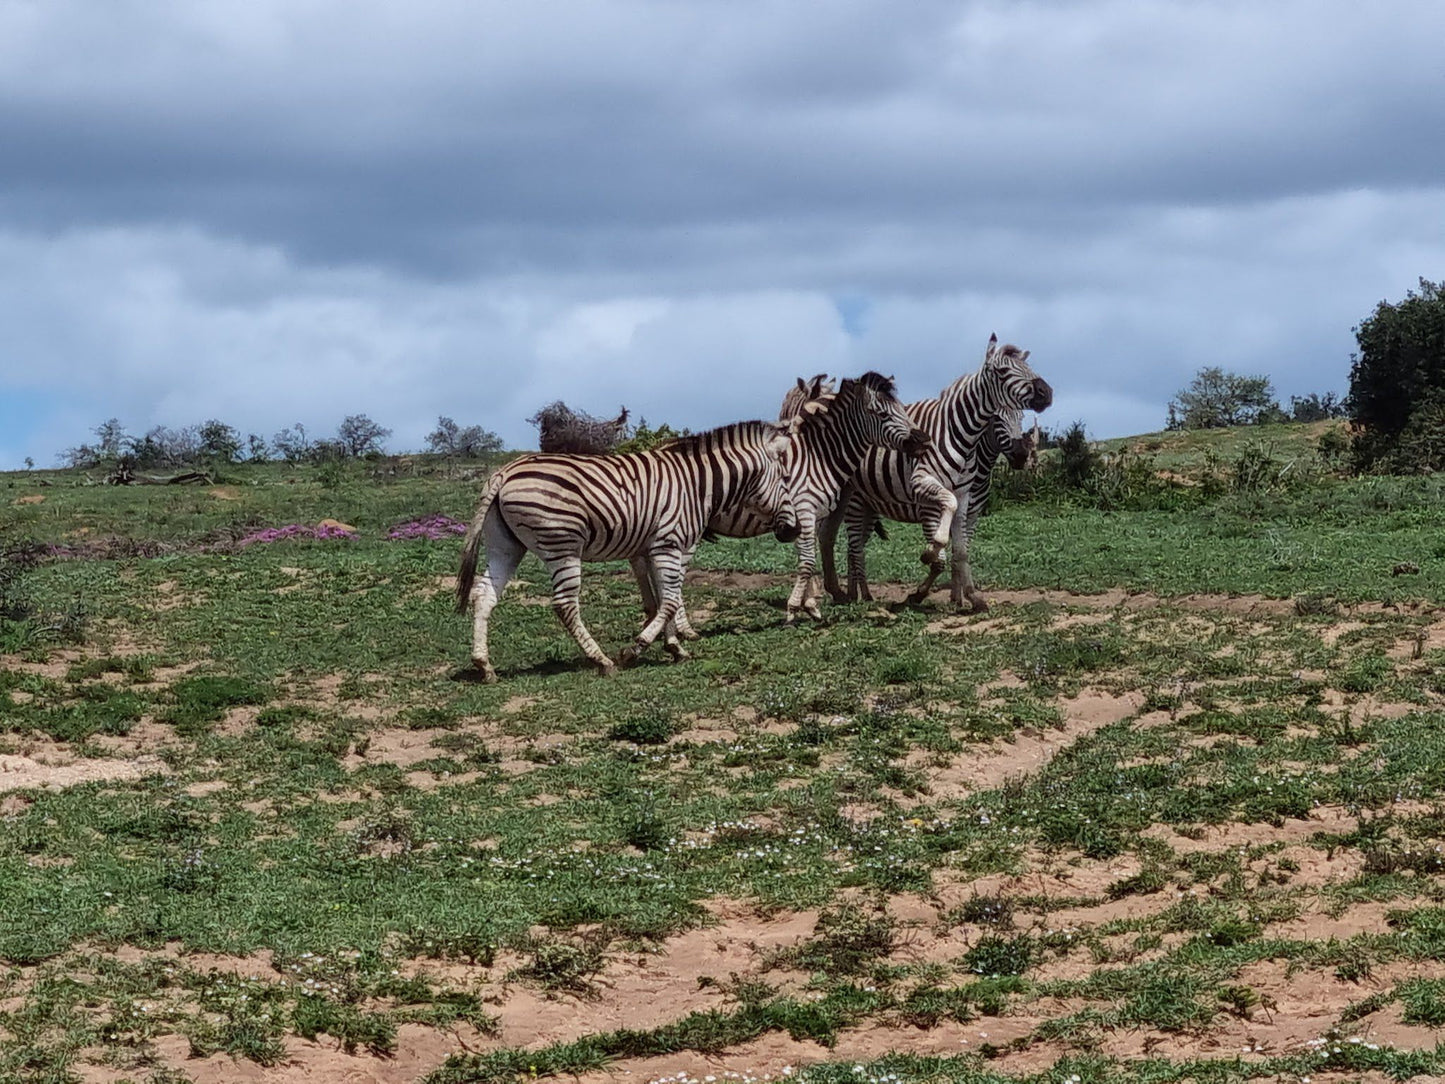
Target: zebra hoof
[689, 633]
[678, 652]
[607, 669]
[628, 656]
[979, 604]
[811, 609]
[489, 675]
[918, 598]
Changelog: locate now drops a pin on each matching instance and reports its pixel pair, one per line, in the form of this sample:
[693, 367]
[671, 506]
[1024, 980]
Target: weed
[560, 965]
[846, 941]
[996, 956]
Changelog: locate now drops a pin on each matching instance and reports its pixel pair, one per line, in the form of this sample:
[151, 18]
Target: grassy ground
[1123, 827]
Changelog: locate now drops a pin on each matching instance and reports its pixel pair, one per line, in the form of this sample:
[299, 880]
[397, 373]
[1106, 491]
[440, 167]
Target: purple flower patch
[322, 531]
[435, 527]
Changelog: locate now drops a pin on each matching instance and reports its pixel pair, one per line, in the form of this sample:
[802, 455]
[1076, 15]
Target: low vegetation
[1177, 795]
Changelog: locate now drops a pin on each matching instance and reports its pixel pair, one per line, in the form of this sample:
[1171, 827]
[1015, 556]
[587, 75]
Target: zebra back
[619, 506]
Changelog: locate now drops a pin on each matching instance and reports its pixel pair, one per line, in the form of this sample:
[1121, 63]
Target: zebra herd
[843, 457]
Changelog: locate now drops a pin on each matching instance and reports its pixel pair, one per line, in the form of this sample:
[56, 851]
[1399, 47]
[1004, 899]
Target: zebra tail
[472, 544]
[880, 530]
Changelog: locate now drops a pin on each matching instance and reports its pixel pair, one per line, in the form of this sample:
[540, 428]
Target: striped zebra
[1004, 438]
[573, 508]
[836, 431]
[806, 391]
[936, 489]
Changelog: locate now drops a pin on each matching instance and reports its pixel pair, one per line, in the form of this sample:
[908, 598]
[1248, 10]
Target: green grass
[325, 784]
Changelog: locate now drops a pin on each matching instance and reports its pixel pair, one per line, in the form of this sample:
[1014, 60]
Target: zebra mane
[884, 385]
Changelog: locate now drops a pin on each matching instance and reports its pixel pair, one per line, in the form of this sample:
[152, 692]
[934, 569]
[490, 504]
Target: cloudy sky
[271, 211]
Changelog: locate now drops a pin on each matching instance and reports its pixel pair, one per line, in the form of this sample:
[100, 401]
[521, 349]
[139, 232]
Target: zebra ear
[802, 385]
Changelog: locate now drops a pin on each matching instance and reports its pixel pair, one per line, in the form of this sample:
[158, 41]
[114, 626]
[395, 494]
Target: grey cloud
[276, 212]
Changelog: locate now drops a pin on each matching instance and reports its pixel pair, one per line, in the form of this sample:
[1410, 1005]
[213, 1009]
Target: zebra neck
[834, 448]
[970, 404]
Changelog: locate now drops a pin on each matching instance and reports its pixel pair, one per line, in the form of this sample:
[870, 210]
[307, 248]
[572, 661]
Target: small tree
[359, 435]
[256, 450]
[1315, 407]
[1216, 398]
[471, 442]
[1398, 374]
[165, 447]
[292, 444]
[1077, 461]
[219, 441]
[29, 463]
[645, 437]
[110, 438]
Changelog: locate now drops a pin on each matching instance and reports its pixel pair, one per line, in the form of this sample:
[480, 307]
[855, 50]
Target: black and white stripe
[1004, 438]
[568, 509]
[937, 489]
[836, 432]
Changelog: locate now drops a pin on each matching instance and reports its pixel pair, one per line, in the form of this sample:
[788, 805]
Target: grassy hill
[1170, 811]
[1186, 450]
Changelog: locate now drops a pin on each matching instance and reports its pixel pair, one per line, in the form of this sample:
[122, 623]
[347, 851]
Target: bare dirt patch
[398, 746]
[29, 498]
[737, 581]
[646, 990]
[57, 771]
[419, 1050]
[1030, 749]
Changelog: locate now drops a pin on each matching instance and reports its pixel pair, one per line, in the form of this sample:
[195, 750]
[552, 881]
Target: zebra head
[807, 391]
[769, 493]
[1022, 388]
[1009, 439]
[882, 419]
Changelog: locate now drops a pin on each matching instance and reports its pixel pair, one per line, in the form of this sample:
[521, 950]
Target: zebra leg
[962, 586]
[827, 543]
[801, 597]
[929, 523]
[931, 494]
[567, 605]
[504, 554]
[667, 566]
[681, 624]
[642, 573]
[860, 525]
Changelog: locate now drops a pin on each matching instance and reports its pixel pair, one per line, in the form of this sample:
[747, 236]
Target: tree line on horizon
[1395, 405]
[214, 442]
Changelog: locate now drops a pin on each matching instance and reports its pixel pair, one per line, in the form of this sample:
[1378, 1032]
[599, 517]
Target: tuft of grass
[651, 726]
[846, 941]
[200, 700]
[998, 956]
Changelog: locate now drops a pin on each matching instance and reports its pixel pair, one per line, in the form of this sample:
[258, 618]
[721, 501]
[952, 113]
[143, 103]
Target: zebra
[1005, 437]
[836, 431]
[930, 489]
[807, 391]
[573, 508]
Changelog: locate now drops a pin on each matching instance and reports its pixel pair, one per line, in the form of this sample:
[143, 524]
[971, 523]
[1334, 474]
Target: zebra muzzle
[1043, 395]
[918, 442]
[787, 532]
